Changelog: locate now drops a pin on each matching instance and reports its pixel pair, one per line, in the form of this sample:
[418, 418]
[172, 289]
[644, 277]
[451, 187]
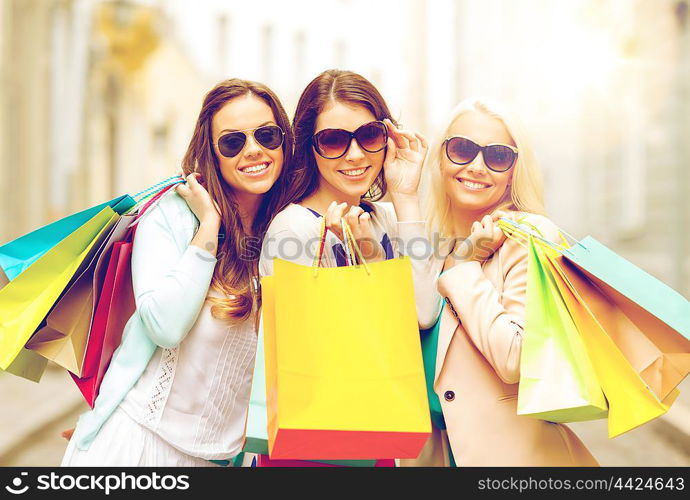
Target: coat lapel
[445, 334]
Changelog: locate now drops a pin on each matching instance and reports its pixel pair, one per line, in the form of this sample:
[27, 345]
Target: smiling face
[350, 176]
[474, 187]
[255, 168]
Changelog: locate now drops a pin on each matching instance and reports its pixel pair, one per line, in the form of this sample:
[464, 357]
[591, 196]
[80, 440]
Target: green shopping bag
[26, 300]
[557, 379]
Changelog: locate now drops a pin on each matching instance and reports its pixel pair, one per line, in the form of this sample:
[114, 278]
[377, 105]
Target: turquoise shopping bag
[19, 254]
[649, 293]
[257, 426]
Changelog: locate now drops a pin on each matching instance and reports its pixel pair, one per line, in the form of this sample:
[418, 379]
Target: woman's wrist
[403, 197]
[406, 206]
[211, 222]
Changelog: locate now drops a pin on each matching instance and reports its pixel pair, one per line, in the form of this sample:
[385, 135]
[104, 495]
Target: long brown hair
[238, 252]
[332, 85]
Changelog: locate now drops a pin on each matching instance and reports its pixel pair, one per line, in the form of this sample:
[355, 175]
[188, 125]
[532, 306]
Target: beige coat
[478, 367]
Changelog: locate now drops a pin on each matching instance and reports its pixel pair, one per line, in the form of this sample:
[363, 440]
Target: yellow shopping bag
[27, 364]
[631, 401]
[620, 345]
[344, 371]
[64, 337]
[26, 300]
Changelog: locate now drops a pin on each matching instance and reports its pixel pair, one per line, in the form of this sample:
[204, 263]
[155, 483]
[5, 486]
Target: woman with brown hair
[177, 389]
[348, 155]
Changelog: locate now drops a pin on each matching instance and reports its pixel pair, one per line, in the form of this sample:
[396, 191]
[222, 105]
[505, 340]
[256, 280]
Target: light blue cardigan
[171, 280]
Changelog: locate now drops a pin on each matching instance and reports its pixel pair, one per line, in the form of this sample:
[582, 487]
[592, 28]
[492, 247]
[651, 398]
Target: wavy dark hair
[332, 85]
[237, 264]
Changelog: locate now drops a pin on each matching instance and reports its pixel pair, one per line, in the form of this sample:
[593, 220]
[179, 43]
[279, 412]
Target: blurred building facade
[603, 87]
[100, 97]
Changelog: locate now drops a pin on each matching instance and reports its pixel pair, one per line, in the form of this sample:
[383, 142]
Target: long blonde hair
[526, 188]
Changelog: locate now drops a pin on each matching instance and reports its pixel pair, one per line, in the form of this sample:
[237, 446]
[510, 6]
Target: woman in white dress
[177, 389]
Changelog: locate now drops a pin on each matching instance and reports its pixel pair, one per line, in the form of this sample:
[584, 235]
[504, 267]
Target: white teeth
[474, 185]
[255, 168]
[353, 173]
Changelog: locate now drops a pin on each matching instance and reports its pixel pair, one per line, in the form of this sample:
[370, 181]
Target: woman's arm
[494, 321]
[293, 235]
[408, 238]
[171, 278]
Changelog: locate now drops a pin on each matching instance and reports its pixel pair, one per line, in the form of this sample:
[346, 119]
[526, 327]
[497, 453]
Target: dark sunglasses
[498, 157]
[268, 136]
[332, 143]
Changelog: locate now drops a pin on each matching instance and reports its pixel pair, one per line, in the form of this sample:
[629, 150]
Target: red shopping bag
[266, 461]
[114, 308]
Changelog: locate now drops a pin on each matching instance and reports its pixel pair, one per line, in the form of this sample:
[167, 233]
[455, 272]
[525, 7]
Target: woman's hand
[485, 238]
[404, 160]
[198, 199]
[360, 225]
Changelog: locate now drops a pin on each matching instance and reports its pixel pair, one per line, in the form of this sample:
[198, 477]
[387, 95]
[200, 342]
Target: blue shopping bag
[601, 263]
[17, 255]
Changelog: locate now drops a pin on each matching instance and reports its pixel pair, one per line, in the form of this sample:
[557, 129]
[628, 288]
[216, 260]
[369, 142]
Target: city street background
[99, 98]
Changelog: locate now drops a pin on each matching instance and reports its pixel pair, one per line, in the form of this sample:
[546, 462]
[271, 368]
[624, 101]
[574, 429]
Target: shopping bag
[649, 293]
[63, 337]
[17, 255]
[652, 321]
[256, 433]
[3, 279]
[344, 371]
[27, 364]
[265, 461]
[115, 307]
[557, 380]
[631, 402]
[115, 304]
[661, 353]
[26, 300]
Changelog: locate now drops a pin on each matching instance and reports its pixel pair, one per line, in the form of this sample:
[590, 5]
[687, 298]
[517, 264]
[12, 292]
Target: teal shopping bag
[17, 255]
[257, 426]
[600, 263]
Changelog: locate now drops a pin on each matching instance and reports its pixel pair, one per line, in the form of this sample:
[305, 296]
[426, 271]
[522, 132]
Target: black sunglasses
[333, 143]
[268, 136]
[498, 157]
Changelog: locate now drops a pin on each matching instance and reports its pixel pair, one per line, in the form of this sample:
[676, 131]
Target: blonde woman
[480, 168]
